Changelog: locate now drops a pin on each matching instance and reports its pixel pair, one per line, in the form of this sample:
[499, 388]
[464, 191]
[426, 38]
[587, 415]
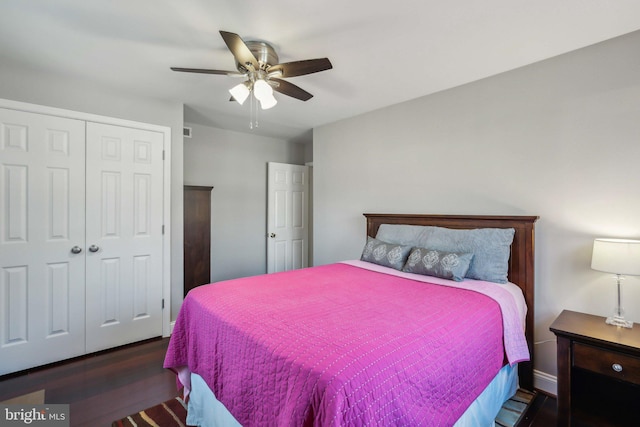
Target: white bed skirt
[204, 410]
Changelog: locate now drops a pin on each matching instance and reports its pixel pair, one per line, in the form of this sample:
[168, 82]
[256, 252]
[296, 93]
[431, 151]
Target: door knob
[272, 235]
[76, 250]
[94, 248]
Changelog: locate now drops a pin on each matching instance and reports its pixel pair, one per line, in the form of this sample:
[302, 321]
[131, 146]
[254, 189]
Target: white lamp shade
[618, 256]
[240, 93]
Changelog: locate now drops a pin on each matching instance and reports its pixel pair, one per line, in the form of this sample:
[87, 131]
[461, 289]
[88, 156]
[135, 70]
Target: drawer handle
[616, 367]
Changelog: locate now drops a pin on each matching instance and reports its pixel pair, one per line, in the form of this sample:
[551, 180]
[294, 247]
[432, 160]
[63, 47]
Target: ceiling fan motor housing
[264, 53]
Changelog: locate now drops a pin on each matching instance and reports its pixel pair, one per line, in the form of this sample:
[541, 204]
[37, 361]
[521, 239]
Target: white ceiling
[382, 52]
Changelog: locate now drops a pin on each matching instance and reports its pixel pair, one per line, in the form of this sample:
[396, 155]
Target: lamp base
[619, 321]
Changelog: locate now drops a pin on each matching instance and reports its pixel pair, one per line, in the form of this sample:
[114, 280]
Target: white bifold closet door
[42, 188]
[124, 235]
[80, 237]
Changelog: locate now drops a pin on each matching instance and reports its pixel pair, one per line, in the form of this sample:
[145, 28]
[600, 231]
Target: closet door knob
[76, 250]
[272, 235]
[94, 248]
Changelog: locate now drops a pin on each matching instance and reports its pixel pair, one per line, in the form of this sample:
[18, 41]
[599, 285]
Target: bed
[360, 343]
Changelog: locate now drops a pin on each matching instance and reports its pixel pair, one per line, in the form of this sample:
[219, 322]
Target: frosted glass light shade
[240, 93]
[262, 90]
[268, 102]
[618, 256]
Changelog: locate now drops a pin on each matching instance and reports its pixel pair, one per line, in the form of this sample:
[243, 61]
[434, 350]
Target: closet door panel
[42, 188]
[124, 235]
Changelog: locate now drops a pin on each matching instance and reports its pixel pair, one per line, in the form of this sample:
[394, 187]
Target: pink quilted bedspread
[339, 345]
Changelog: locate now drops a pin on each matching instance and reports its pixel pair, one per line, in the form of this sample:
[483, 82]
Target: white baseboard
[172, 324]
[545, 382]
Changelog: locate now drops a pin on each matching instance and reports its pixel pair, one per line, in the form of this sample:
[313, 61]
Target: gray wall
[235, 164]
[25, 85]
[559, 139]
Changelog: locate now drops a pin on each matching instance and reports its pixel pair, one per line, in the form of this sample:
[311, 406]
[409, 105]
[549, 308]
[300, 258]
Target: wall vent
[186, 132]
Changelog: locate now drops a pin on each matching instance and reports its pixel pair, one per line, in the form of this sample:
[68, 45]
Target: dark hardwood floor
[107, 386]
[541, 413]
[103, 387]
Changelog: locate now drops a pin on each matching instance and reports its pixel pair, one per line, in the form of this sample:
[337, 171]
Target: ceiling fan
[257, 61]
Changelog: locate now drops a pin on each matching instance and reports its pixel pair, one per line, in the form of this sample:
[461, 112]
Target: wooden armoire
[197, 236]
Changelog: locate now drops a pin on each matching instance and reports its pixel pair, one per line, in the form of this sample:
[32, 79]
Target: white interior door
[124, 235]
[287, 217]
[42, 180]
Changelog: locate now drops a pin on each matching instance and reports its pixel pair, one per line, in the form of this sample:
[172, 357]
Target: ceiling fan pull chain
[257, 112]
[251, 112]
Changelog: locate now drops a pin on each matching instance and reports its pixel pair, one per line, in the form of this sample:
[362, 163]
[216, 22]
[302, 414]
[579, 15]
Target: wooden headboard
[521, 261]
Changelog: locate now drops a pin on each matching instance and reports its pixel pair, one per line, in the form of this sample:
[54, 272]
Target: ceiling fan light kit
[257, 61]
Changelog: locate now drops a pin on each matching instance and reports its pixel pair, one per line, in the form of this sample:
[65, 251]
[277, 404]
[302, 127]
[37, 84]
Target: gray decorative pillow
[491, 247]
[386, 254]
[431, 262]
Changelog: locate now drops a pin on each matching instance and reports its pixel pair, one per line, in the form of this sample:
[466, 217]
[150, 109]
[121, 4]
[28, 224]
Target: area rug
[173, 413]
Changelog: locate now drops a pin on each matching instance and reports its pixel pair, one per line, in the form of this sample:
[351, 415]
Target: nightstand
[598, 371]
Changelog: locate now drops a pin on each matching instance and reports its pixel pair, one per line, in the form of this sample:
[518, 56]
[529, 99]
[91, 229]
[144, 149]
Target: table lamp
[620, 257]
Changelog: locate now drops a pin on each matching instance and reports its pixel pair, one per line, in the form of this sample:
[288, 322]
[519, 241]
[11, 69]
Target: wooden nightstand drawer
[607, 362]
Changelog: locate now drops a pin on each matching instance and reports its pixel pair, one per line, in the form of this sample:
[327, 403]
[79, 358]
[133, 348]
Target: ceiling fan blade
[300, 68]
[239, 49]
[290, 89]
[204, 71]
